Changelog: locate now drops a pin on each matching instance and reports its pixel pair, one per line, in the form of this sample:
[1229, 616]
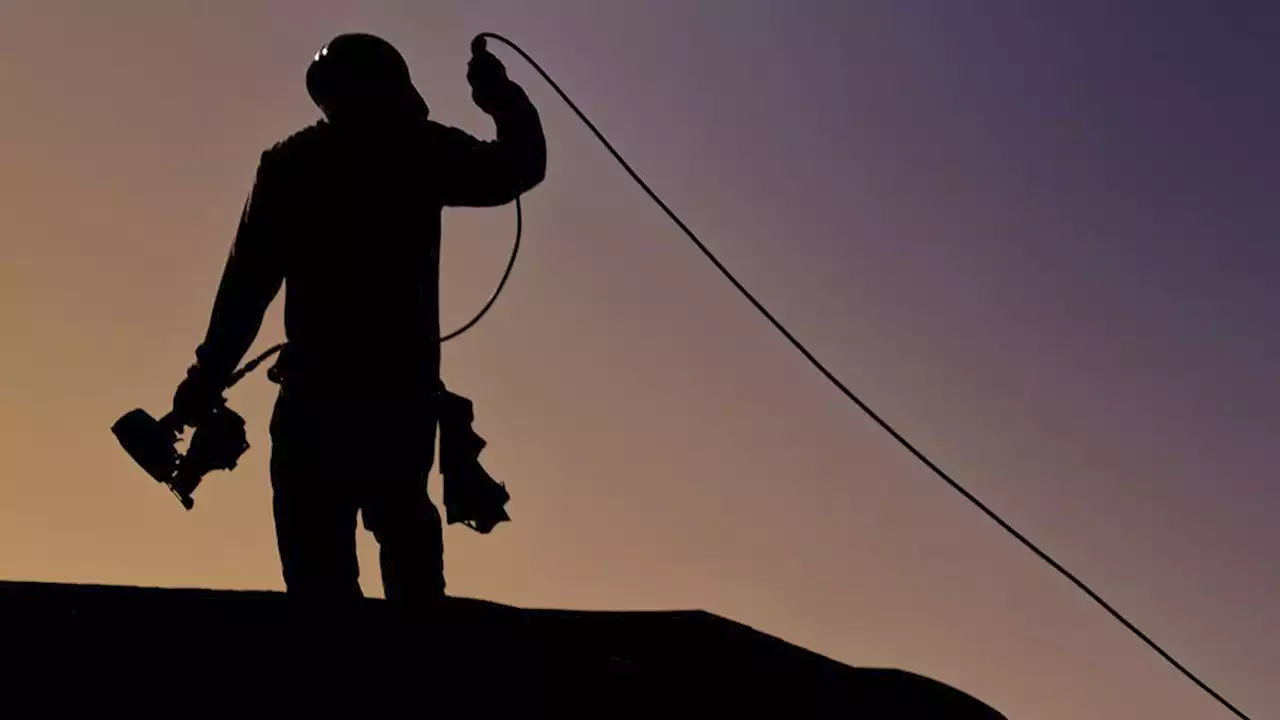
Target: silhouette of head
[360, 79]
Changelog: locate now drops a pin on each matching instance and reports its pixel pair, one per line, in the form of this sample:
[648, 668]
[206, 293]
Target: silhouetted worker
[346, 215]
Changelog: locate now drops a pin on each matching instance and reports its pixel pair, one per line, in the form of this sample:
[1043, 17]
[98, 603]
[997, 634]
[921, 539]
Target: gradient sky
[1039, 237]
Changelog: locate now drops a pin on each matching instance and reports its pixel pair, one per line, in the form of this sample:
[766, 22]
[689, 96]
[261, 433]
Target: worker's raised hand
[487, 76]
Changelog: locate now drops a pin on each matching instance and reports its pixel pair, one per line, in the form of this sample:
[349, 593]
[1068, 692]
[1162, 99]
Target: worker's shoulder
[299, 146]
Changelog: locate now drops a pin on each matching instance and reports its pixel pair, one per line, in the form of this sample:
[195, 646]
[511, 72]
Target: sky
[1038, 238]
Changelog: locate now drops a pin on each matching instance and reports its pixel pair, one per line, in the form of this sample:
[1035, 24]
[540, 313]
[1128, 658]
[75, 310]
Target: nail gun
[216, 444]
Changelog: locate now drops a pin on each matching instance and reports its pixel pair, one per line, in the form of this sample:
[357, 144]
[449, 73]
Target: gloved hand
[488, 78]
[196, 398]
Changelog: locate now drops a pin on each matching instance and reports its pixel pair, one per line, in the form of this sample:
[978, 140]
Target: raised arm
[489, 173]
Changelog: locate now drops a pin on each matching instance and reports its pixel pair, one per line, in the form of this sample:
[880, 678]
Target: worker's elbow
[506, 184]
[519, 182]
[533, 176]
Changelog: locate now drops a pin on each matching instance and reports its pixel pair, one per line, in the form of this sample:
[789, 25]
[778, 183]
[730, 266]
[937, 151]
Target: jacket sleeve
[482, 173]
[251, 279]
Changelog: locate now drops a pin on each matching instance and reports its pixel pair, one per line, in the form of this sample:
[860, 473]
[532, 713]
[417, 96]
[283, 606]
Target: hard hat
[360, 75]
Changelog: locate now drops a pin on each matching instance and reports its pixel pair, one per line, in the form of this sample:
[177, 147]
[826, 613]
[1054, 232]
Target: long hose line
[851, 396]
[813, 360]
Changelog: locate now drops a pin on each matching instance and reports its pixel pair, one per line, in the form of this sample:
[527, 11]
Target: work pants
[332, 460]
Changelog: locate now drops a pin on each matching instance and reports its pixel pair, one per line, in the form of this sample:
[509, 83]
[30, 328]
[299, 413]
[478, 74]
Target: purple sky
[1039, 238]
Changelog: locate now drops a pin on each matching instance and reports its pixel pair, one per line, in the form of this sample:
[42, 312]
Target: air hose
[849, 394]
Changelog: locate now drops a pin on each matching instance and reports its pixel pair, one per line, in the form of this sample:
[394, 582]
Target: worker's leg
[407, 525]
[314, 506]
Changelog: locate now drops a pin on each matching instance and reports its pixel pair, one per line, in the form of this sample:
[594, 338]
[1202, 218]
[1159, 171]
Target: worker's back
[357, 217]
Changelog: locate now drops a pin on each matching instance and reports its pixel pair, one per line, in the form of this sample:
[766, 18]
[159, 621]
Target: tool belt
[471, 496]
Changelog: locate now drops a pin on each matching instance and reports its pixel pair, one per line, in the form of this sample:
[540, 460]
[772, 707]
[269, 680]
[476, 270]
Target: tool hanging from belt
[471, 496]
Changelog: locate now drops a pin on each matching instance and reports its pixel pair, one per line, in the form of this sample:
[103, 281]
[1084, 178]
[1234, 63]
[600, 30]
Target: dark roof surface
[187, 650]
